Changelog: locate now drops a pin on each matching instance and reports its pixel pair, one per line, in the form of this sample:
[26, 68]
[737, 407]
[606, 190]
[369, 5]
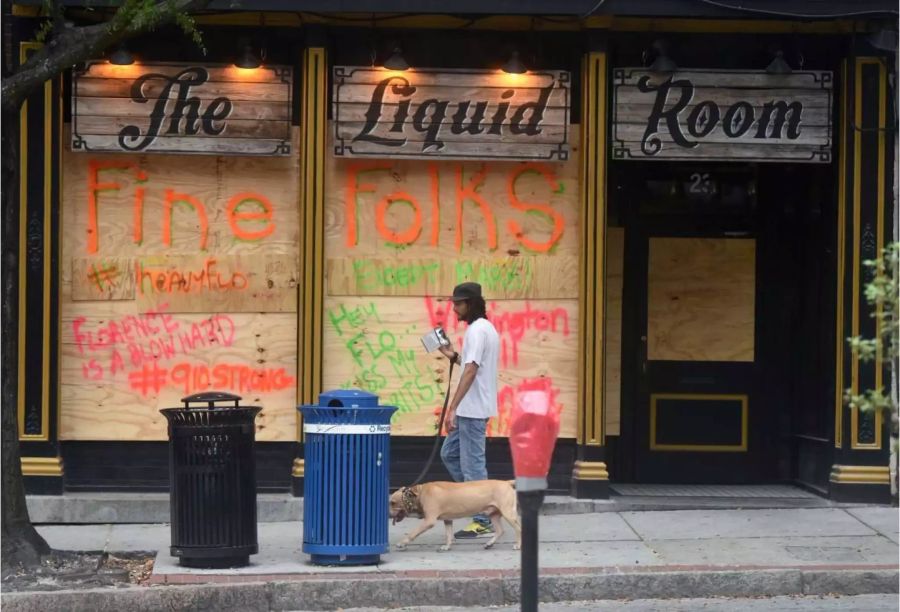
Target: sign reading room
[722, 115]
[182, 108]
[451, 114]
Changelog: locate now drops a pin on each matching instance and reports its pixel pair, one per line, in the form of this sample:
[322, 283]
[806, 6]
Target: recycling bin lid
[348, 398]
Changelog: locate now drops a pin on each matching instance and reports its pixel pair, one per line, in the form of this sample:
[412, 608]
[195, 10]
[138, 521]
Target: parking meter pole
[530, 503]
[532, 437]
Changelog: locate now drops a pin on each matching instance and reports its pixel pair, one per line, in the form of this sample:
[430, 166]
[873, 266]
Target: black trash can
[212, 480]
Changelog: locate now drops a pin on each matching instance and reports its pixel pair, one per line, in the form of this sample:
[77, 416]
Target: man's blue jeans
[463, 454]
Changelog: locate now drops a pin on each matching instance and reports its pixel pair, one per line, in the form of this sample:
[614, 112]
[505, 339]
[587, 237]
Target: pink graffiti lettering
[189, 378]
[512, 325]
[122, 331]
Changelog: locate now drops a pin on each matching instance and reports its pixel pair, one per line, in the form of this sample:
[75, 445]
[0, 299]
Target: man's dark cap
[466, 291]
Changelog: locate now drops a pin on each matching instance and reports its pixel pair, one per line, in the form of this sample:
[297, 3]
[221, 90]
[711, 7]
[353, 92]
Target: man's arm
[468, 377]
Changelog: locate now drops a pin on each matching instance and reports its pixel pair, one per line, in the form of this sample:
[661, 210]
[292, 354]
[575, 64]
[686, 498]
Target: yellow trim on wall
[592, 305]
[44, 434]
[42, 466]
[48, 238]
[857, 235]
[590, 470]
[313, 119]
[861, 474]
[841, 253]
[717, 448]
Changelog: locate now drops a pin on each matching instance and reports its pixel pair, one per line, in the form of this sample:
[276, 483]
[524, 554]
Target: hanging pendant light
[396, 61]
[779, 66]
[663, 64]
[247, 58]
[121, 56]
[514, 64]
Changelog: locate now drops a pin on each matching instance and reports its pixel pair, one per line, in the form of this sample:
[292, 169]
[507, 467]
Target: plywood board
[228, 283]
[615, 264]
[701, 299]
[102, 278]
[117, 373]
[501, 277]
[448, 211]
[469, 220]
[123, 359]
[145, 205]
[374, 343]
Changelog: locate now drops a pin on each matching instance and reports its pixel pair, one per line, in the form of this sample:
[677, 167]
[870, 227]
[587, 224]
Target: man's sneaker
[474, 530]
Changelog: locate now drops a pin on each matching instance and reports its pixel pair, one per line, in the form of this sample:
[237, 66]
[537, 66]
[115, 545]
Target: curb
[326, 593]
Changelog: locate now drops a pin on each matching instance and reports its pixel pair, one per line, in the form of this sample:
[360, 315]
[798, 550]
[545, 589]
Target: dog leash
[437, 437]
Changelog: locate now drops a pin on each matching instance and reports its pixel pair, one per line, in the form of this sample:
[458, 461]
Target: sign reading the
[182, 108]
[451, 114]
[722, 115]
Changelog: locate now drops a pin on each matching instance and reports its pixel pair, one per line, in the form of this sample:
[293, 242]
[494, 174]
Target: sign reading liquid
[182, 108]
[450, 114]
[709, 114]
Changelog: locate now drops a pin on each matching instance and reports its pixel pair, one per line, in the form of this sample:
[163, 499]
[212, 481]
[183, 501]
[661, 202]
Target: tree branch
[71, 45]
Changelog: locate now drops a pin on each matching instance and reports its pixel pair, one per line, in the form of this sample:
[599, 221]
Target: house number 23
[700, 183]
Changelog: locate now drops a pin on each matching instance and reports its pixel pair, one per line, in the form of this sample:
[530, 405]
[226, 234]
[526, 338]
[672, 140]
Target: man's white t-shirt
[481, 345]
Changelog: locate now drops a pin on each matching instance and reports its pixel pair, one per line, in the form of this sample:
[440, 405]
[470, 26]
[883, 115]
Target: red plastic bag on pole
[532, 434]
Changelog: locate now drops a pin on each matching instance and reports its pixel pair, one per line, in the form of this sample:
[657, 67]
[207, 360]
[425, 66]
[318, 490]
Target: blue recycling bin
[345, 486]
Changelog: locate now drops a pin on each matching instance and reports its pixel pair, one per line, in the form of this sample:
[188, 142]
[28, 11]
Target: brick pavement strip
[498, 587]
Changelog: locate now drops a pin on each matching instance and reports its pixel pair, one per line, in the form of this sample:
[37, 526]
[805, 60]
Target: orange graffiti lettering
[435, 202]
[173, 198]
[138, 215]
[235, 216]
[412, 233]
[558, 222]
[167, 280]
[95, 167]
[103, 277]
[470, 192]
[354, 187]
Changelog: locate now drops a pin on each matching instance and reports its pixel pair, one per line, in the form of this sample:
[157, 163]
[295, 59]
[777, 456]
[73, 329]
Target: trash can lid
[210, 398]
[349, 398]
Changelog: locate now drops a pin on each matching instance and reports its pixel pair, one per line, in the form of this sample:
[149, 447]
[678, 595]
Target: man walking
[475, 400]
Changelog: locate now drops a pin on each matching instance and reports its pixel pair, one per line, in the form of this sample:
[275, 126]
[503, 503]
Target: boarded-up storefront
[401, 233]
[179, 273]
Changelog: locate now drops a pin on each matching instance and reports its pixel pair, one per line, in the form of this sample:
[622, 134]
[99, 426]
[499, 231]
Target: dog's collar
[411, 503]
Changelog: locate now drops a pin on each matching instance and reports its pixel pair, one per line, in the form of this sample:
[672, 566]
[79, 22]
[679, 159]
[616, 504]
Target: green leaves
[882, 294]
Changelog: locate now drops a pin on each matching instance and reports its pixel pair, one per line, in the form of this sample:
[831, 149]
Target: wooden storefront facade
[280, 231]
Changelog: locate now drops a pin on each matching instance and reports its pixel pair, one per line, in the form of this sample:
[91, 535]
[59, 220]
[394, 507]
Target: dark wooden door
[695, 413]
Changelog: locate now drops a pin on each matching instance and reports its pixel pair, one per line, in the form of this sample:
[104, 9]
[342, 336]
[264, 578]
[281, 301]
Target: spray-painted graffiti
[380, 358]
[468, 190]
[153, 336]
[250, 215]
[513, 326]
[208, 278]
[189, 378]
[494, 275]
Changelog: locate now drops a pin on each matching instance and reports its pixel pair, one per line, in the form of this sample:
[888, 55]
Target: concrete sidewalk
[598, 555]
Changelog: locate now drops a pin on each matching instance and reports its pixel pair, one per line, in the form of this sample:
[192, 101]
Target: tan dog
[446, 501]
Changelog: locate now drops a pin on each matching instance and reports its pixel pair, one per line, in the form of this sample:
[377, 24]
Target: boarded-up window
[179, 275]
[401, 233]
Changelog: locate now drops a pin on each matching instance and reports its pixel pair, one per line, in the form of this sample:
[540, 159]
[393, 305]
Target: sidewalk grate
[739, 491]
